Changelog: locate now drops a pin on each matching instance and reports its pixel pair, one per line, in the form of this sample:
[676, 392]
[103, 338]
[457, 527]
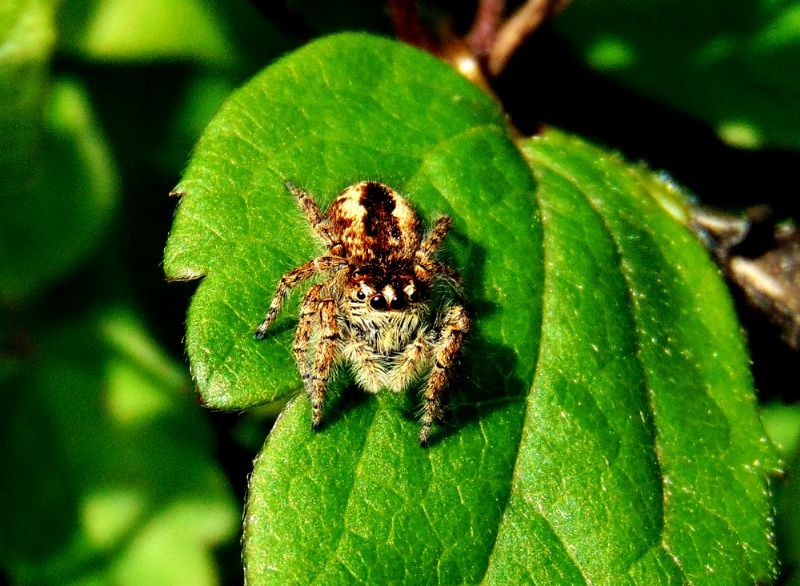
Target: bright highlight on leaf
[611, 53]
[604, 427]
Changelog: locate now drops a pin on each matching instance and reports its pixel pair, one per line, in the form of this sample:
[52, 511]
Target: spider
[374, 310]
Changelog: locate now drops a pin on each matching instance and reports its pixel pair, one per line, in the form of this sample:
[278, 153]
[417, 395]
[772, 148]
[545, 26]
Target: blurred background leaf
[148, 30]
[111, 472]
[782, 422]
[732, 64]
[108, 470]
[59, 182]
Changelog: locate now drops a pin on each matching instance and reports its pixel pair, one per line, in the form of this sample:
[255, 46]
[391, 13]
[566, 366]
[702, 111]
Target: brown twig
[519, 27]
[446, 45]
[761, 259]
[487, 47]
[483, 33]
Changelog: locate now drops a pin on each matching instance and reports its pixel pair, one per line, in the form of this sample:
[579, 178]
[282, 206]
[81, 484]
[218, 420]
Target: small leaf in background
[782, 423]
[604, 427]
[146, 30]
[224, 36]
[59, 183]
[732, 64]
[788, 521]
[108, 473]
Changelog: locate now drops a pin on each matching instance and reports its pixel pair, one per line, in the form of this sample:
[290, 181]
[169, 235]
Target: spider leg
[444, 351]
[411, 361]
[434, 238]
[428, 270]
[292, 279]
[324, 357]
[312, 212]
[302, 336]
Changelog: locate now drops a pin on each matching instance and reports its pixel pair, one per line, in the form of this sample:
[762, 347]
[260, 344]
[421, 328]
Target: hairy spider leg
[445, 352]
[292, 279]
[413, 359]
[426, 266]
[324, 357]
[312, 213]
[434, 238]
[302, 336]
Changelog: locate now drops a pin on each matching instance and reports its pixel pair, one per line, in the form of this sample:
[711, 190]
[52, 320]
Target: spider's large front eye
[398, 302]
[378, 302]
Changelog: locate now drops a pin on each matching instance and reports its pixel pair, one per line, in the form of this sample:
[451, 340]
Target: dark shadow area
[483, 380]
[485, 385]
[561, 91]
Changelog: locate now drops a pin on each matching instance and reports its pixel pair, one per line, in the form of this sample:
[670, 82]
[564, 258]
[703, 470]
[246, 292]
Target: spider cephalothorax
[374, 309]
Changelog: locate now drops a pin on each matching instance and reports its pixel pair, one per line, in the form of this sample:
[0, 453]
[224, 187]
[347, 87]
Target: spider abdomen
[372, 222]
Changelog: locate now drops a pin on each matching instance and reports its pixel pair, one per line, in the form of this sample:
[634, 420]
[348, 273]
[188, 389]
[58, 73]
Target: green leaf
[107, 470]
[59, 184]
[59, 201]
[735, 65]
[26, 41]
[223, 35]
[603, 428]
[782, 423]
[116, 30]
[788, 520]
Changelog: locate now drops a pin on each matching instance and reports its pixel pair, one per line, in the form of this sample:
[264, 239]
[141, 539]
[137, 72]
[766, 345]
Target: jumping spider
[374, 309]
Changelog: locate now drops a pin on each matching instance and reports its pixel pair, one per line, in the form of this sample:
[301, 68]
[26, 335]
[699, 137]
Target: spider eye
[378, 302]
[361, 295]
[398, 302]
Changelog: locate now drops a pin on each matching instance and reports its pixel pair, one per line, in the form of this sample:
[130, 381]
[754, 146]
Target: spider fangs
[373, 309]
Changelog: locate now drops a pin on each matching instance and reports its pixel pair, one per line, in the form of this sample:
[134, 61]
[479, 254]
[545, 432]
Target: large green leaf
[733, 64]
[107, 469]
[603, 428]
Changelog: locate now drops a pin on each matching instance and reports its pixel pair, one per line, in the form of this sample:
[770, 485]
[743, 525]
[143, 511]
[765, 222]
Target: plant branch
[483, 34]
[519, 27]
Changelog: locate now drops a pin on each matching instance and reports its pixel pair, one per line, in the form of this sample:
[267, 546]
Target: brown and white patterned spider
[374, 309]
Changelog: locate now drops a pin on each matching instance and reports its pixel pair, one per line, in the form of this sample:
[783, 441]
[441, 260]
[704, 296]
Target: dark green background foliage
[604, 425]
